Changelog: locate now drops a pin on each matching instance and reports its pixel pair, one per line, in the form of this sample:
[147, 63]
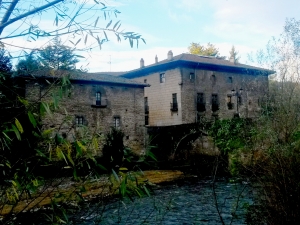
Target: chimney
[232, 59]
[156, 59]
[142, 64]
[170, 55]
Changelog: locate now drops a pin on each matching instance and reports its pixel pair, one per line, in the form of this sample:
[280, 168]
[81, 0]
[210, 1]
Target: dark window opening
[162, 78]
[146, 105]
[229, 80]
[200, 102]
[214, 102]
[230, 104]
[145, 80]
[213, 79]
[174, 104]
[146, 120]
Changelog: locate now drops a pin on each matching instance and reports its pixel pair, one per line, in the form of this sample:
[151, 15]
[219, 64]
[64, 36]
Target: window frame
[117, 122]
[162, 78]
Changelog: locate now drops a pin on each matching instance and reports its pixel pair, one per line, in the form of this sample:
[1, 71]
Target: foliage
[232, 134]
[78, 21]
[208, 50]
[58, 56]
[233, 54]
[28, 65]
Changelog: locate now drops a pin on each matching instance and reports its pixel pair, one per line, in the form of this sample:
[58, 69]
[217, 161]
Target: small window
[98, 98]
[229, 102]
[145, 81]
[79, 120]
[192, 77]
[146, 105]
[213, 79]
[174, 104]
[214, 102]
[229, 80]
[146, 120]
[162, 78]
[117, 122]
[200, 102]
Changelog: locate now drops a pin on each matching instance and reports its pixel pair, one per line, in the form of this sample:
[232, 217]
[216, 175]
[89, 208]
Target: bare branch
[5, 23]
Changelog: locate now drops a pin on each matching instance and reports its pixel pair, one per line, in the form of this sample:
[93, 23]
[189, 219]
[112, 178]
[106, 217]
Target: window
[192, 77]
[200, 102]
[145, 81]
[214, 102]
[146, 120]
[229, 102]
[79, 120]
[117, 122]
[229, 80]
[98, 98]
[213, 79]
[146, 105]
[162, 78]
[174, 104]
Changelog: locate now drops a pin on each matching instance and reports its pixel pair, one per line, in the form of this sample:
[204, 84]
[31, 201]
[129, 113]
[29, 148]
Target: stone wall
[254, 87]
[117, 101]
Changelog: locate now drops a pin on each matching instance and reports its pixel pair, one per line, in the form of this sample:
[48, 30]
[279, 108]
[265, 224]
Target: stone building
[186, 87]
[96, 101]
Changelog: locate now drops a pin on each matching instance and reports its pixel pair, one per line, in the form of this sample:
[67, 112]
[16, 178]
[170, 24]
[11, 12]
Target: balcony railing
[200, 107]
[174, 106]
[100, 104]
[146, 109]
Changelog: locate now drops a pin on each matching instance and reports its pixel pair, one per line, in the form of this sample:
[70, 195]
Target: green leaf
[32, 119]
[116, 175]
[23, 101]
[19, 126]
[146, 190]
[17, 133]
[6, 136]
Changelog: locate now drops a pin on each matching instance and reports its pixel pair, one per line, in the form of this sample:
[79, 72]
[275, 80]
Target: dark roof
[197, 61]
[86, 77]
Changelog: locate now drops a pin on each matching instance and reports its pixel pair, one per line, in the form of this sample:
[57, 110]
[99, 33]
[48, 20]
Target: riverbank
[65, 190]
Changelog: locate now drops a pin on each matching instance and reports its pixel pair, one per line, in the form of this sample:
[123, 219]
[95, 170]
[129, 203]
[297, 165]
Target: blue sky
[174, 24]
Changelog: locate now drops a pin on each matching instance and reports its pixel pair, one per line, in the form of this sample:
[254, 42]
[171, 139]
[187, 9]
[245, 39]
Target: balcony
[146, 109]
[200, 107]
[174, 106]
[100, 104]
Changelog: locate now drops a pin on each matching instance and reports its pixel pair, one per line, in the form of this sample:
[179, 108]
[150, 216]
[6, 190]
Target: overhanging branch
[11, 8]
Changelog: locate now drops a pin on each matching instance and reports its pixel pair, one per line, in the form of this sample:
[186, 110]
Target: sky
[173, 25]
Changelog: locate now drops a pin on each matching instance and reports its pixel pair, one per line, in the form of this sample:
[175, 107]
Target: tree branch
[5, 21]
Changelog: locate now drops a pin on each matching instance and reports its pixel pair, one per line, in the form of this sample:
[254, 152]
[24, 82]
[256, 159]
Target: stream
[188, 202]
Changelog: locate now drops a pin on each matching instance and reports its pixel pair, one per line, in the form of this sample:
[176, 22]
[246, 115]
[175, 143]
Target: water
[187, 203]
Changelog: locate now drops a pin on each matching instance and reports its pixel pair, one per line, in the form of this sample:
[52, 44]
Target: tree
[28, 65]
[233, 54]
[208, 50]
[58, 56]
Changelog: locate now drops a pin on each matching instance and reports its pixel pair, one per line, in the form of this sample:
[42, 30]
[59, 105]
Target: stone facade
[96, 103]
[187, 87]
